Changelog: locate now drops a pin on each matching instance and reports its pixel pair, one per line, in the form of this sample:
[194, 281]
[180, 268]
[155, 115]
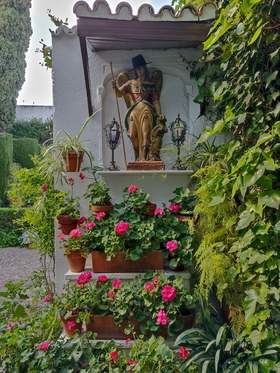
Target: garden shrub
[15, 32]
[10, 230]
[24, 149]
[6, 151]
[239, 192]
[34, 129]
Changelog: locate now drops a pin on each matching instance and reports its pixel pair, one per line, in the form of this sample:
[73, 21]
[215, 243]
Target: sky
[37, 89]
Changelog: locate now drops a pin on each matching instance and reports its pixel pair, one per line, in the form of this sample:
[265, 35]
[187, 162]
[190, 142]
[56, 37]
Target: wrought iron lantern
[113, 132]
[178, 130]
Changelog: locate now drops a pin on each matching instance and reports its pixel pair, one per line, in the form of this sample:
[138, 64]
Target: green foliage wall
[6, 151]
[24, 149]
[34, 128]
[10, 231]
[15, 32]
[239, 192]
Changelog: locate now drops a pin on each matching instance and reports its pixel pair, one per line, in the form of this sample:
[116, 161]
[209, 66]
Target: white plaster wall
[28, 112]
[71, 110]
[177, 95]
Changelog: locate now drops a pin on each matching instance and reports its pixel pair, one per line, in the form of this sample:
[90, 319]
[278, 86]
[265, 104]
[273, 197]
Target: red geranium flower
[149, 287]
[168, 293]
[172, 245]
[132, 188]
[183, 353]
[84, 278]
[44, 346]
[121, 228]
[102, 278]
[175, 208]
[76, 233]
[44, 187]
[114, 356]
[116, 283]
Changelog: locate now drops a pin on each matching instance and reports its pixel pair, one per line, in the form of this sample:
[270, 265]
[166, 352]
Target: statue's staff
[119, 115]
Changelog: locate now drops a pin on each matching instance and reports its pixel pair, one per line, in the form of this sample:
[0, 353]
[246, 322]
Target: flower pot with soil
[149, 262]
[67, 152]
[99, 197]
[74, 250]
[106, 328]
[73, 160]
[68, 215]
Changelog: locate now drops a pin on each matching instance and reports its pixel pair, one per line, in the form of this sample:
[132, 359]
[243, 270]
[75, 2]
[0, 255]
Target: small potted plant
[68, 215]
[99, 197]
[135, 199]
[69, 150]
[75, 249]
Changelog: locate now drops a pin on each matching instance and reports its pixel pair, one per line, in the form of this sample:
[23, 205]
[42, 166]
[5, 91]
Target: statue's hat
[139, 61]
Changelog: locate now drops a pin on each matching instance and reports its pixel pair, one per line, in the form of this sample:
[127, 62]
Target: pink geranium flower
[90, 225]
[71, 325]
[168, 293]
[162, 318]
[132, 188]
[82, 220]
[159, 212]
[48, 298]
[183, 353]
[121, 228]
[116, 283]
[10, 326]
[102, 278]
[172, 245]
[114, 356]
[175, 208]
[111, 294]
[82, 176]
[44, 187]
[131, 362]
[61, 236]
[76, 233]
[100, 215]
[149, 287]
[44, 346]
[84, 278]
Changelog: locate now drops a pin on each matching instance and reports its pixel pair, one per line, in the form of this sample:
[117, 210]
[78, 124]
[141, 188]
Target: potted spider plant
[69, 150]
[99, 197]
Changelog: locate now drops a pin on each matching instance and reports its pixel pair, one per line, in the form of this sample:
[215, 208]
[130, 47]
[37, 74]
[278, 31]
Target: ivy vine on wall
[239, 192]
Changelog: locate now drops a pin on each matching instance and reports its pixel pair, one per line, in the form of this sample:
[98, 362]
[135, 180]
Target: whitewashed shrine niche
[177, 95]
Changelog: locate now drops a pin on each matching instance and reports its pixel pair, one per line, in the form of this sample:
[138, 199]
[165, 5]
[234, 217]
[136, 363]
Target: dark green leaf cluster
[15, 32]
[239, 192]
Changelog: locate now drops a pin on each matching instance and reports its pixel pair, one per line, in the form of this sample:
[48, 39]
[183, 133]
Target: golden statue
[144, 121]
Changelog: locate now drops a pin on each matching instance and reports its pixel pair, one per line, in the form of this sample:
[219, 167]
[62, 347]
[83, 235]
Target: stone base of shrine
[146, 165]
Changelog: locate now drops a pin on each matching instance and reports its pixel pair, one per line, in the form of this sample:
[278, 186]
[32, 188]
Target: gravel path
[17, 263]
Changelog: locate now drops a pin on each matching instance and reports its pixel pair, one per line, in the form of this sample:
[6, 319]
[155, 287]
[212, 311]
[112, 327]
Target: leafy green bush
[24, 149]
[15, 32]
[6, 151]
[34, 129]
[239, 192]
[10, 231]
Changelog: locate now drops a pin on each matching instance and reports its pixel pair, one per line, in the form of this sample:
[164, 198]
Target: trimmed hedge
[6, 151]
[10, 231]
[24, 149]
[33, 129]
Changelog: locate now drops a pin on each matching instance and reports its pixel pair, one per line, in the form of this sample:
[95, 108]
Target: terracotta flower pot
[73, 161]
[106, 328]
[67, 223]
[66, 330]
[76, 262]
[152, 261]
[101, 208]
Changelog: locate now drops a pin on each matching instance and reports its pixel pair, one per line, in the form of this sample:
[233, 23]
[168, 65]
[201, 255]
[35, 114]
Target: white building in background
[28, 112]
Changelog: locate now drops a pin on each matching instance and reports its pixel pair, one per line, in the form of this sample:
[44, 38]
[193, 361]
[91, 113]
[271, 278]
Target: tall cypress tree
[15, 32]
